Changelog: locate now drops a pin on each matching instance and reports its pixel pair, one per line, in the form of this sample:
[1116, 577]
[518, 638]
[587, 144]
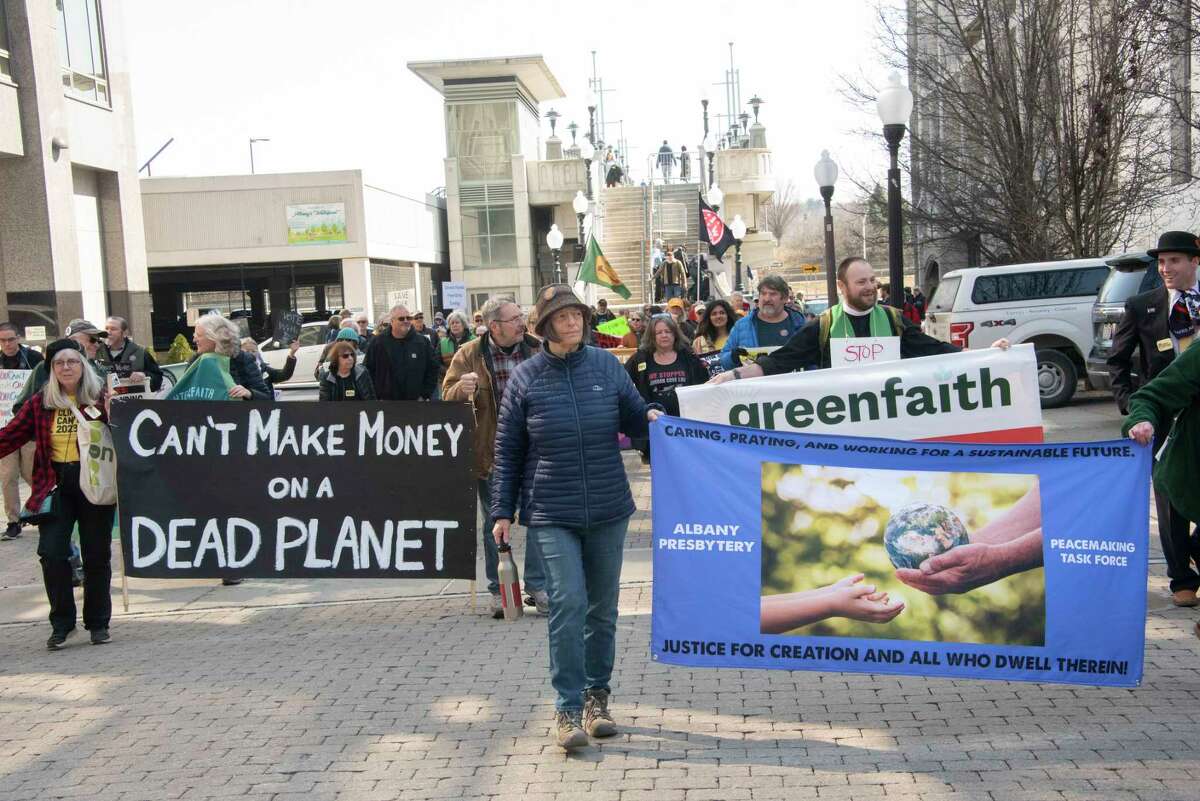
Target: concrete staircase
[631, 218]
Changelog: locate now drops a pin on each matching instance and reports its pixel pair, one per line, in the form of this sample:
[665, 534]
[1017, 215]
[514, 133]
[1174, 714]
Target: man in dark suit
[1158, 325]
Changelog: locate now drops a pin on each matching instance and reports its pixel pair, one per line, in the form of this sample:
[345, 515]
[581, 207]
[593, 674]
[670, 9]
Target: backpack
[826, 317]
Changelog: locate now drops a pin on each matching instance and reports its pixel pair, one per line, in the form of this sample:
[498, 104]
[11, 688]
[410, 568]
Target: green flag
[208, 378]
[597, 270]
[616, 327]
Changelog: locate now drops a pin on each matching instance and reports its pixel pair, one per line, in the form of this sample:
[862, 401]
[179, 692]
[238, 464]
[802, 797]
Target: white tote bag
[97, 461]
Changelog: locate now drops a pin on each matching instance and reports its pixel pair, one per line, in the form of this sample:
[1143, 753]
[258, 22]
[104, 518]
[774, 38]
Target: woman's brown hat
[553, 298]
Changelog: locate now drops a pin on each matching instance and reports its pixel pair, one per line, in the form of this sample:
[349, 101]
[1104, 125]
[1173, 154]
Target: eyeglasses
[7, 340]
[661, 316]
[347, 356]
[64, 363]
[401, 319]
[511, 319]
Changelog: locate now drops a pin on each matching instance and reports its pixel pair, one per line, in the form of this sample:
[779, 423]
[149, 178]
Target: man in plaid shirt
[478, 374]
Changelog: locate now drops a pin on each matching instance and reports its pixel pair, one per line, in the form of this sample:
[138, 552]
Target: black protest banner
[290, 490]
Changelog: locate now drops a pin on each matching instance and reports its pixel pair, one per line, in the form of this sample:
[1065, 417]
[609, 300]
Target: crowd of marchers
[550, 408]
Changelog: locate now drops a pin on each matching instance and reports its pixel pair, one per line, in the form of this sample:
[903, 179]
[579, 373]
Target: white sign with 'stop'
[857, 351]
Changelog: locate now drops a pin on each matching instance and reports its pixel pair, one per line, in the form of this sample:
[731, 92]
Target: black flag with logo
[714, 231]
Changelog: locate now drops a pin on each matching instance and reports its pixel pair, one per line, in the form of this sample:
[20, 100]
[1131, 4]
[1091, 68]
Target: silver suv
[1133, 274]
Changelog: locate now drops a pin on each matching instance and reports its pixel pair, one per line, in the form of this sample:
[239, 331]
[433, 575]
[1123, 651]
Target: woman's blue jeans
[583, 578]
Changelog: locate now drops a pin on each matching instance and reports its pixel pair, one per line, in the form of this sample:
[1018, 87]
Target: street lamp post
[555, 240]
[586, 152]
[895, 106]
[715, 197]
[738, 229]
[254, 139]
[591, 107]
[826, 173]
[580, 205]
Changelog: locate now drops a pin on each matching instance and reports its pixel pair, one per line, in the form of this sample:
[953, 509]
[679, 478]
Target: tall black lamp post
[555, 240]
[738, 229]
[704, 141]
[895, 105]
[826, 173]
[580, 205]
[587, 153]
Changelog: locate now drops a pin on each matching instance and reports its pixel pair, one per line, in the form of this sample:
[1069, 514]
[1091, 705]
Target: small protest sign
[11, 384]
[616, 327]
[290, 490]
[711, 361]
[287, 327]
[857, 351]
[454, 295]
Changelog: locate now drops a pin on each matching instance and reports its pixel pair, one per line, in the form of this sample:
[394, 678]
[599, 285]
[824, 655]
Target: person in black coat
[345, 380]
[1151, 328]
[401, 362]
[663, 363]
[272, 376]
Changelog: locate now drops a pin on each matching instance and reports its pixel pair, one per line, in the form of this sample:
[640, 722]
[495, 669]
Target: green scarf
[840, 328]
[207, 379]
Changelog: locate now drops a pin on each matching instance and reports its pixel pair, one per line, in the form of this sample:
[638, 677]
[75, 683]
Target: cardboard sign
[11, 384]
[856, 351]
[123, 387]
[35, 333]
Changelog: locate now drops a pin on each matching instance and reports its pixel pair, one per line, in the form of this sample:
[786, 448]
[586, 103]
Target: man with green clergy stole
[857, 330]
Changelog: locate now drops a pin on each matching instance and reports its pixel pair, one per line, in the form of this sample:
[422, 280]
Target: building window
[482, 136]
[489, 230]
[5, 67]
[81, 50]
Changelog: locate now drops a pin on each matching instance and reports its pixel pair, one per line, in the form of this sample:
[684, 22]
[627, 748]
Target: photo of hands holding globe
[935, 556]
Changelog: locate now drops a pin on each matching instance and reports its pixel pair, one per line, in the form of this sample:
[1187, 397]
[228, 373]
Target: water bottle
[510, 584]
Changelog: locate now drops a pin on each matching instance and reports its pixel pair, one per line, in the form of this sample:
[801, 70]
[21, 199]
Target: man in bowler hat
[1158, 325]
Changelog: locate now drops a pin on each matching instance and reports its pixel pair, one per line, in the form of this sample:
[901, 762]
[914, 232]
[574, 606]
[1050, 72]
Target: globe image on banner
[920, 530]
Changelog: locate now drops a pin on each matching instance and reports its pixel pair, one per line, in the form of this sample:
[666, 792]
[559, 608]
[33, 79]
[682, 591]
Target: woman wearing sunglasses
[346, 380]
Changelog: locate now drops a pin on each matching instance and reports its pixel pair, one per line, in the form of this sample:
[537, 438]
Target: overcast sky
[327, 82]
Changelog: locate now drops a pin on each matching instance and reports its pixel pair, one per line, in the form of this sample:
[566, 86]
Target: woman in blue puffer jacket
[558, 461]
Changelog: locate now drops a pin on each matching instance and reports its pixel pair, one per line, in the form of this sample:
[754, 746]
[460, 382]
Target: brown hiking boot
[596, 720]
[568, 733]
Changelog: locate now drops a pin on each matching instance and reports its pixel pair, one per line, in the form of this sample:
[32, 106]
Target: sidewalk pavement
[360, 691]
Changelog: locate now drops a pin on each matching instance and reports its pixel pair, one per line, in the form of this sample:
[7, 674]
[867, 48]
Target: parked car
[1132, 274]
[312, 342]
[1046, 303]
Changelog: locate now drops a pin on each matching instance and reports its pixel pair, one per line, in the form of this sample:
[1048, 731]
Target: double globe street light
[895, 104]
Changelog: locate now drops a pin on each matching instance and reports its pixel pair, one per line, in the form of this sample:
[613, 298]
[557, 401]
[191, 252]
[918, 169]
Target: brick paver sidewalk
[419, 698]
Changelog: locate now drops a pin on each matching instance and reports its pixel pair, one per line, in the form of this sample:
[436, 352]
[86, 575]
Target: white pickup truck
[1046, 303]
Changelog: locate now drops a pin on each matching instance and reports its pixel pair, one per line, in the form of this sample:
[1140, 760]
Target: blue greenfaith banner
[960, 560]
